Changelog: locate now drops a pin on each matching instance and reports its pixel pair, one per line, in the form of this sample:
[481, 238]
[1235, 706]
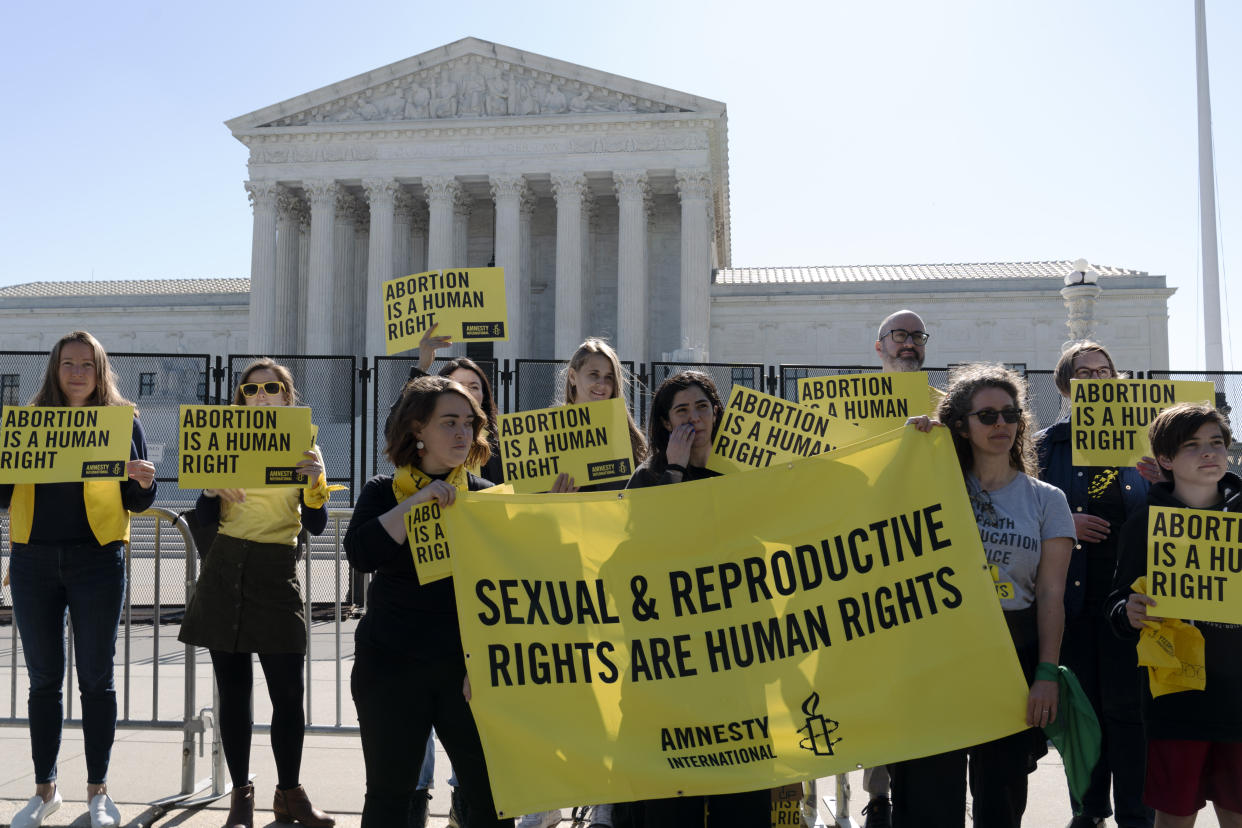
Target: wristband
[1047, 671]
[677, 467]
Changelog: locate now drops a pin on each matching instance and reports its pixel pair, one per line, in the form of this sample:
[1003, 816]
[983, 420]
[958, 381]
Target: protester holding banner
[248, 600]
[68, 553]
[1102, 500]
[1027, 531]
[685, 414]
[409, 668]
[1194, 748]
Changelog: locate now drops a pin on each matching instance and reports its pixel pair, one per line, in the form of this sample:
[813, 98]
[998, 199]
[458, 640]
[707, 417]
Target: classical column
[570, 189]
[442, 193]
[632, 194]
[462, 207]
[381, 195]
[358, 280]
[322, 195]
[695, 189]
[304, 224]
[263, 196]
[344, 297]
[288, 244]
[508, 190]
[418, 240]
[403, 209]
[526, 212]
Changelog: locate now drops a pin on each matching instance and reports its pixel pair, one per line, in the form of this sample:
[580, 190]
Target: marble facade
[605, 199]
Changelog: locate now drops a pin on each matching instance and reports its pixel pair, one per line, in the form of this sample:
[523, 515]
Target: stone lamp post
[1080, 293]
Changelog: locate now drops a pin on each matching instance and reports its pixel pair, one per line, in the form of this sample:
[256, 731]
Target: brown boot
[241, 811]
[294, 806]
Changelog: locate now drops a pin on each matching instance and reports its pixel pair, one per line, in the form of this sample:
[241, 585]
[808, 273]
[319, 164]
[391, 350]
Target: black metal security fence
[351, 396]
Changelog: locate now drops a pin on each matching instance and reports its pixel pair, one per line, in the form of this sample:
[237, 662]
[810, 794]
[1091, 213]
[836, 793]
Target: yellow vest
[105, 512]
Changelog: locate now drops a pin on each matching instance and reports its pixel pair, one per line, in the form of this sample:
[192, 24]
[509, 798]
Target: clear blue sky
[874, 132]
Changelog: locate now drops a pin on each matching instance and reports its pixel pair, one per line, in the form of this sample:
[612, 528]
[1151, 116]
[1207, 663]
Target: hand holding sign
[141, 470]
[428, 345]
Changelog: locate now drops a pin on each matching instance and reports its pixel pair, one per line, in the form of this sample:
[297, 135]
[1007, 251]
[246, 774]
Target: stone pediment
[472, 79]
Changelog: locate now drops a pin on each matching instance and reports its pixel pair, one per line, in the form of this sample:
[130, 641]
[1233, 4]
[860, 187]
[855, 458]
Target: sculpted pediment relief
[473, 86]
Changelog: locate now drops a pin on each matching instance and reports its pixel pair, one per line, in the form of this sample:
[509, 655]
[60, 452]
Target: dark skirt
[247, 600]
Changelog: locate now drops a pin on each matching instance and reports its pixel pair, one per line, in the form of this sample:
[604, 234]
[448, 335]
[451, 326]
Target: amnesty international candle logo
[818, 729]
[114, 468]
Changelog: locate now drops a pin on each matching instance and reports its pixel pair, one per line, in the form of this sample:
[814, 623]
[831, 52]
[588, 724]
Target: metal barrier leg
[838, 803]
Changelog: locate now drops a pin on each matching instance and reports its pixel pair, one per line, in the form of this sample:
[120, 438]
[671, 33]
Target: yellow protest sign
[589, 441]
[54, 444]
[703, 638]
[239, 446]
[1110, 417]
[424, 534]
[1195, 569]
[467, 303]
[757, 430]
[877, 402]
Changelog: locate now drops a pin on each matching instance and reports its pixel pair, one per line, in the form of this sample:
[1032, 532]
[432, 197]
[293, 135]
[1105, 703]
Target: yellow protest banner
[589, 441]
[758, 429]
[1110, 417]
[54, 444]
[424, 534]
[467, 303]
[706, 637]
[239, 446]
[1195, 569]
[877, 402]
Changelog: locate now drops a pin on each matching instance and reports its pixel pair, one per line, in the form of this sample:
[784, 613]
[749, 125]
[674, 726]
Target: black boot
[419, 802]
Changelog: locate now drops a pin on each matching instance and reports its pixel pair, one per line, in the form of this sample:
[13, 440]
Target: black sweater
[404, 617]
[646, 476]
[1213, 714]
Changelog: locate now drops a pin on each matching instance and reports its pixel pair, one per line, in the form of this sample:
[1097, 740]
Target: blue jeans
[89, 582]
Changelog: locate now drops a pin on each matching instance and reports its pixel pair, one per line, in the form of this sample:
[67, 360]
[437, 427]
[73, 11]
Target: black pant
[751, 809]
[235, 681]
[399, 700]
[1107, 669]
[931, 792]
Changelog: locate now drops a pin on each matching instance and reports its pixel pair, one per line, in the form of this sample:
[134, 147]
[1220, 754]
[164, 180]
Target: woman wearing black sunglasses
[1027, 532]
[247, 600]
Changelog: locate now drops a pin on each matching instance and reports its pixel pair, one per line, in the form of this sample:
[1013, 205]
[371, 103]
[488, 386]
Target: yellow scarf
[407, 480]
[1172, 651]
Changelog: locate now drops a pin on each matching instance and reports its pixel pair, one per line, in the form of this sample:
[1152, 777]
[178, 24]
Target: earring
[420, 445]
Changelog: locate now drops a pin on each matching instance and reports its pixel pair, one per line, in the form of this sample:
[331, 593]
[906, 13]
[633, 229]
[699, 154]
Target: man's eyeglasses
[251, 389]
[1093, 373]
[988, 416]
[899, 336]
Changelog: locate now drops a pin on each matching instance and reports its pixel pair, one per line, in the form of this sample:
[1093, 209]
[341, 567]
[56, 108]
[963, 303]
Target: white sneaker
[103, 810]
[37, 810]
[540, 819]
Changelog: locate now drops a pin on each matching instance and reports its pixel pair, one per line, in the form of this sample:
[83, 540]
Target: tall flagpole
[1213, 349]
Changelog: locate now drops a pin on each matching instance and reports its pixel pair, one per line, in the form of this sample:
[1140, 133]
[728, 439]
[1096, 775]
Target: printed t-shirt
[1014, 521]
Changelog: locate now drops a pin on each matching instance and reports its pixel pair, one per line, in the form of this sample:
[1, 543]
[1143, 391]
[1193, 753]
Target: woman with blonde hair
[68, 543]
[248, 600]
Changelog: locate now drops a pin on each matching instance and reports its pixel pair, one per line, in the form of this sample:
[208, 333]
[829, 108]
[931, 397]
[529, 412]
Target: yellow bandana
[407, 480]
[1172, 651]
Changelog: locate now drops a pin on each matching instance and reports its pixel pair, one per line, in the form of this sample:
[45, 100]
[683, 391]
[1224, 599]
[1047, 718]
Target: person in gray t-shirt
[1027, 532]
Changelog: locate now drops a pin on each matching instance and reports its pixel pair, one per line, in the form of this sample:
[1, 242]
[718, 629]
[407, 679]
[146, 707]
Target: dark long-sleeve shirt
[403, 616]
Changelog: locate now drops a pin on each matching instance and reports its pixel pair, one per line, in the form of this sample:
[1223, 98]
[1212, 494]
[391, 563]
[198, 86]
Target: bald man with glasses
[901, 343]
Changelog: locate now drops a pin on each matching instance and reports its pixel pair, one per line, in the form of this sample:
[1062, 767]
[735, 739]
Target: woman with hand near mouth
[685, 414]
[409, 669]
[69, 555]
[248, 600]
[1027, 531]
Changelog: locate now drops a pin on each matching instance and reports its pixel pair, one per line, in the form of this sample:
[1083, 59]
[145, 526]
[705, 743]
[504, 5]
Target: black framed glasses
[900, 335]
[988, 416]
[272, 388]
[1103, 372]
[981, 504]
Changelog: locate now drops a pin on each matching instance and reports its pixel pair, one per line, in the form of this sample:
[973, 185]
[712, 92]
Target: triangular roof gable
[472, 78]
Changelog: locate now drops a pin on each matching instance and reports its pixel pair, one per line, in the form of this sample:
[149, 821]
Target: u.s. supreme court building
[606, 201]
